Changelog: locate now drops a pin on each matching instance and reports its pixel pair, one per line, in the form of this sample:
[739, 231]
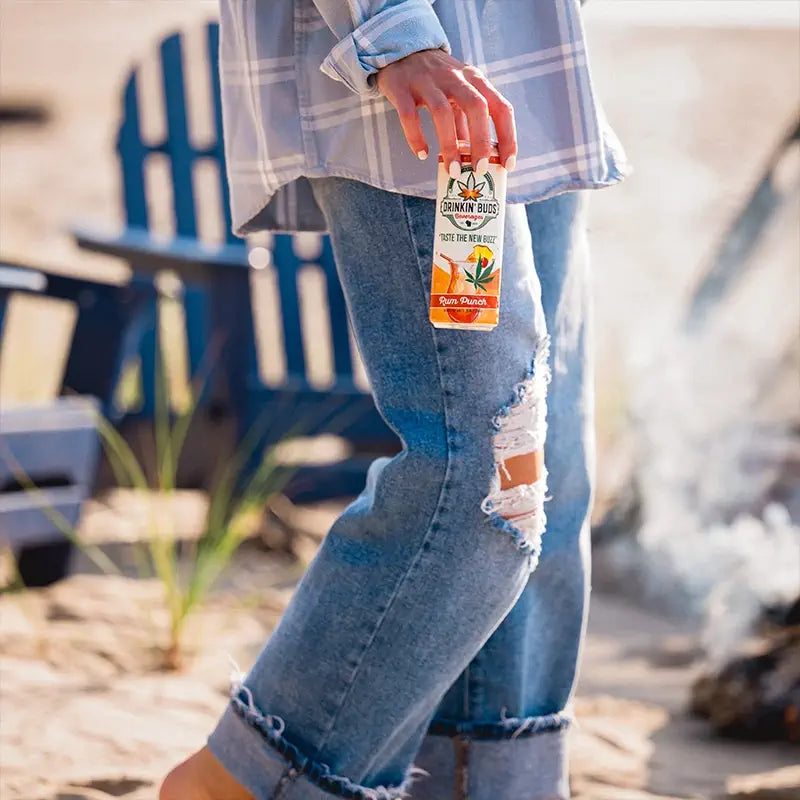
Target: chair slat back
[4, 294]
[177, 146]
[133, 153]
[287, 266]
[340, 334]
[177, 143]
[217, 149]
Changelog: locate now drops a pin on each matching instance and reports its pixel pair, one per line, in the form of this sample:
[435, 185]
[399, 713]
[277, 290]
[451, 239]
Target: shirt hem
[618, 170]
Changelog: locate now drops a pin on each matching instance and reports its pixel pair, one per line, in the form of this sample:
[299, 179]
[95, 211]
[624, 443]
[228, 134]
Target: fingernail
[511, 162]
[483, 165]
[455, 169]
[422, 154]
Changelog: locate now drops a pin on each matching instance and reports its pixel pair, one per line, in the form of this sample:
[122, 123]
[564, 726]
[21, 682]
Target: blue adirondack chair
[55, 445]
[217, 299]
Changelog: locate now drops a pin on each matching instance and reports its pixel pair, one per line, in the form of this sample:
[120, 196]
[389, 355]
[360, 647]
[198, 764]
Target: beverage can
[468, 245]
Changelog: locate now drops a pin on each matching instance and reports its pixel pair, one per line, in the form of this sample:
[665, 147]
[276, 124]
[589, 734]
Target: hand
[460, 100]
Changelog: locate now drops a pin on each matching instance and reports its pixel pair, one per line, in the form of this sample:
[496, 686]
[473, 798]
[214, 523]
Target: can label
[468, 246]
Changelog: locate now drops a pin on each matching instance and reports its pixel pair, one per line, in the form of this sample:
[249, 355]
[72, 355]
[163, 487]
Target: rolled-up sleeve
[395, 31]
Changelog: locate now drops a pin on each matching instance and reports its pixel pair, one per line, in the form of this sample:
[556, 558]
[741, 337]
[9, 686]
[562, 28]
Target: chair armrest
[32, 280]
[188, 257]
[18, 278]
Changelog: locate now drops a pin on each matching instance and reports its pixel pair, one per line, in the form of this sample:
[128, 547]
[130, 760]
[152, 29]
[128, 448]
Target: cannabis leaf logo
[469, 189]
[483, 274]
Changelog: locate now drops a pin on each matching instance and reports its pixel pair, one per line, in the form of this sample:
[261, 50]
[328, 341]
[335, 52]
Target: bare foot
[202, 777]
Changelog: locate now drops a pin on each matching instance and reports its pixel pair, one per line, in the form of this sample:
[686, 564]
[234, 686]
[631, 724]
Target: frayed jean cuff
[252, 748]
[505, 728]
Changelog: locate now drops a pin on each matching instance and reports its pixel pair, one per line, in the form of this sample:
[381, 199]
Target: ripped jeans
[421, 655]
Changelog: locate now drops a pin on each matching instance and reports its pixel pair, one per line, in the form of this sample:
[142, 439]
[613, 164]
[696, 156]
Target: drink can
[468, 245]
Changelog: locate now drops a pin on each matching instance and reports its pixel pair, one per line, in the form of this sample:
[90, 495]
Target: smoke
[711, 544]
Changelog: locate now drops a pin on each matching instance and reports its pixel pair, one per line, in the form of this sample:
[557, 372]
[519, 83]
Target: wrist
[399, 31]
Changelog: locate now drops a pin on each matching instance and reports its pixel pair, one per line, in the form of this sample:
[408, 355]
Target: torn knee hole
[524, 468]
[517, 492]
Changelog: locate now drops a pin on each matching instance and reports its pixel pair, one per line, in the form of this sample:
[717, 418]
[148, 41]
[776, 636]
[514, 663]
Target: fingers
[462, 126]
[462, 103]
[476, 109]
[502, 113]
[445, 123]
[409, 120]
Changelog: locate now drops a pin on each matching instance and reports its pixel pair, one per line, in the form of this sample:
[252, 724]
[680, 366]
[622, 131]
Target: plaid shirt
[299, 98]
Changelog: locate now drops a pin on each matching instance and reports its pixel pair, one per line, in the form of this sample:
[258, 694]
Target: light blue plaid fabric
[299, 98]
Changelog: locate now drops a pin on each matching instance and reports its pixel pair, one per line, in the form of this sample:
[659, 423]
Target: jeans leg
[418, 571]
[499, 731]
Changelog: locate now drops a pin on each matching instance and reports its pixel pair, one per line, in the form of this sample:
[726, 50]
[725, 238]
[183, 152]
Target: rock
[755, 696]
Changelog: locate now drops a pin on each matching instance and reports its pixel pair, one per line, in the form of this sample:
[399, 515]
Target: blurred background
[691, 681]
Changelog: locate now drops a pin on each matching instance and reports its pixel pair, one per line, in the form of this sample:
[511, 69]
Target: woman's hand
[460, 100]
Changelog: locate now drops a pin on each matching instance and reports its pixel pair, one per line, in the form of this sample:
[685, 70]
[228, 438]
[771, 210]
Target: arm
[375, 33]
[399, 49]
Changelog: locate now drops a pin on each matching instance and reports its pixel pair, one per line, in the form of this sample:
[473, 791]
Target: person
[430, 650]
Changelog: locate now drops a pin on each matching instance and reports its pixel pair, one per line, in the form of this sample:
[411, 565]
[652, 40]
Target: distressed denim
[499, 732]
[423, 590]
